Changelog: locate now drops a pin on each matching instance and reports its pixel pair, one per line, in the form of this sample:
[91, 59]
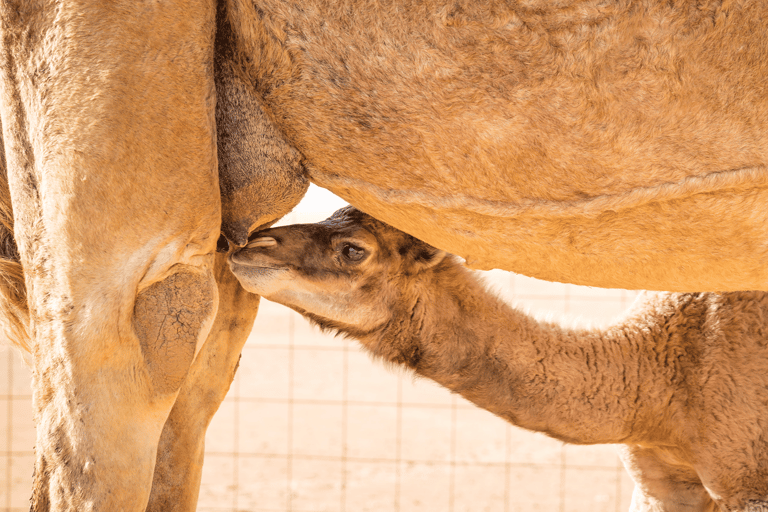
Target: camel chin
[262, 280]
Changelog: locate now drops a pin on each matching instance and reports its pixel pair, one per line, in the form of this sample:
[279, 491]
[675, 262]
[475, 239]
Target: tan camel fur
[680, 382]
[180, 452]
[179, 464]
[615, 144]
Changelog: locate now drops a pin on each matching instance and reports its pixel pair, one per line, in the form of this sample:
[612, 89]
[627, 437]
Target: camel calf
[680, 381]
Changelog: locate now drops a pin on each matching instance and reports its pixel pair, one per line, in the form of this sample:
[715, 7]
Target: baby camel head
[349, 272]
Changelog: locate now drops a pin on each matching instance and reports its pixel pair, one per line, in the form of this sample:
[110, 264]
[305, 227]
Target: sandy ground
[312, 424]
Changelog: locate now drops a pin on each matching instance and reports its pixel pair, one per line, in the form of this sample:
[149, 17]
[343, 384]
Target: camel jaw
[258, 273]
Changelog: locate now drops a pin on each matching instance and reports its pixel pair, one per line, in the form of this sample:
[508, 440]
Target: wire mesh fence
[17, 433]
[312, 424]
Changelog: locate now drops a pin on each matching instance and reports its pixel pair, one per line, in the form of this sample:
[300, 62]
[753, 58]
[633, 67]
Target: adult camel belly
[619, 144]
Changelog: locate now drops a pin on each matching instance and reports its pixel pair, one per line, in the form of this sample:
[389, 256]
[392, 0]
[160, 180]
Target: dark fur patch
[410, 357]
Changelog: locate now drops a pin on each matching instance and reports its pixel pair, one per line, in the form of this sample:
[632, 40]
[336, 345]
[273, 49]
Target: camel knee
[171, 318]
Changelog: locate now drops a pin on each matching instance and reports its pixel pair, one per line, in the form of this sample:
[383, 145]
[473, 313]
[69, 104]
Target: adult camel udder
[680, 382]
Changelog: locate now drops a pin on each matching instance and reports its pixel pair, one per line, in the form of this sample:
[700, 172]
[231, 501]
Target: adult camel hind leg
[261, 179]
[180, 453]
[107, 111]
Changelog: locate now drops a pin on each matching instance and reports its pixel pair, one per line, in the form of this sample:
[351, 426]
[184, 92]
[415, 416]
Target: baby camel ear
[425, 256]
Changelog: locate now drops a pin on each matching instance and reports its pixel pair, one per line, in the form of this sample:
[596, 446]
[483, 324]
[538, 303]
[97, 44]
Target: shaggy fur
[14, 315]
[680, 382]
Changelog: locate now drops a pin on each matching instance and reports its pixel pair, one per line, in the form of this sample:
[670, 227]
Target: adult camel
[605, 143]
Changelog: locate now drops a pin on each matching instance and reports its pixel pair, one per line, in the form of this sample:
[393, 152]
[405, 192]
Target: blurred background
[311, 424]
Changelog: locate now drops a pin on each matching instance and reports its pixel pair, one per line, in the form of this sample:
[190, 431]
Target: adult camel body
[617, 144]
[578, 141]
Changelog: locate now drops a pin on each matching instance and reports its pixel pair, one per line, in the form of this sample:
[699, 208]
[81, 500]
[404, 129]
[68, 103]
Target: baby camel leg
[179, 463]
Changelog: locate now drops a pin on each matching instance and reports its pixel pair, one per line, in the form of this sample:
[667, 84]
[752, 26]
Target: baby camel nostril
[263, 241]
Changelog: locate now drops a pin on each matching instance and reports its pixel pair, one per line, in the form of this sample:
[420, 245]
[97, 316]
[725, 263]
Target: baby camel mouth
[256, 255]
[253, 260]
[262, 241]
[259, 277]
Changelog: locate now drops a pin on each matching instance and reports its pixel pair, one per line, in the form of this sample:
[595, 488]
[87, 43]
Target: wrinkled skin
[180, 452]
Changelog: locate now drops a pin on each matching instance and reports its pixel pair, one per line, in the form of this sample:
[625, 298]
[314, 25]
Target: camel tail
[14, 313]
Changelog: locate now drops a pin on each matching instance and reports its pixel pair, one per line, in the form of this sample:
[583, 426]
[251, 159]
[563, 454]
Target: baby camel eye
[353, 252]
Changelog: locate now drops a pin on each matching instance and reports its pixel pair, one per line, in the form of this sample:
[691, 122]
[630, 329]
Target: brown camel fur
[616, 144]
[680, 382]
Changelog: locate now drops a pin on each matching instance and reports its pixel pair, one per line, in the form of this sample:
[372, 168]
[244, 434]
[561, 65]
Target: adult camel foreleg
[179, 464]
[107, 112]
